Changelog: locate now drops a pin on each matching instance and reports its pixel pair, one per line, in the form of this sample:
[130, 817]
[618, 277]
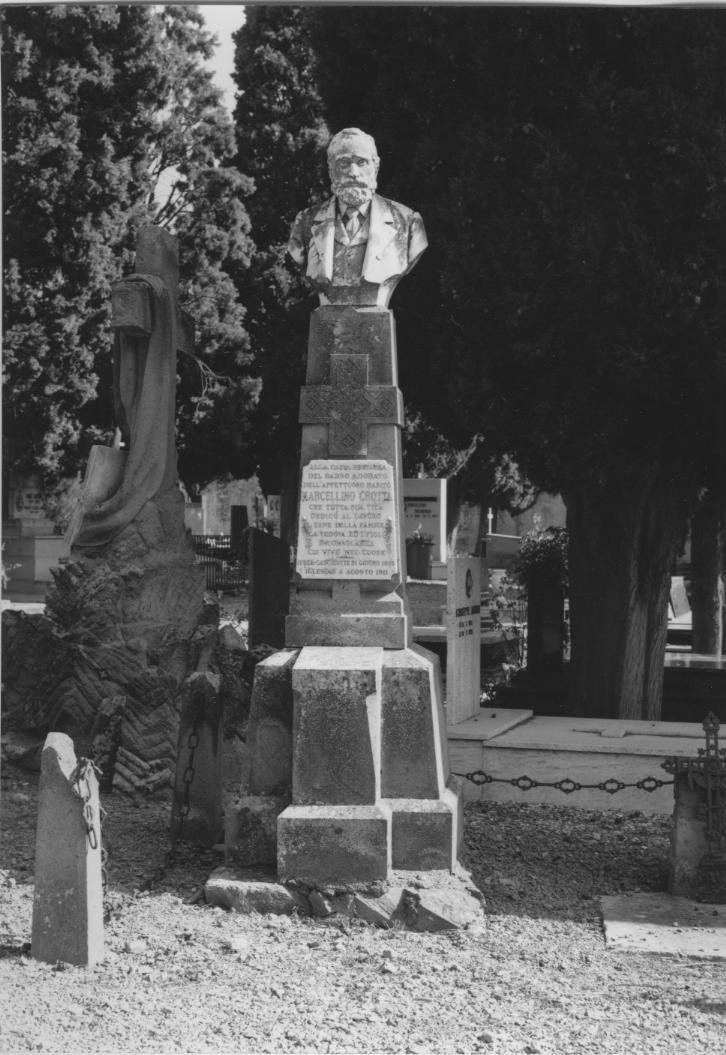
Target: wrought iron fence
[225, 561]
[707, 772]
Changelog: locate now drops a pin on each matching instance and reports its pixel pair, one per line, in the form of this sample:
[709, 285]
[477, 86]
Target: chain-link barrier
[94, 837]
[567, 785]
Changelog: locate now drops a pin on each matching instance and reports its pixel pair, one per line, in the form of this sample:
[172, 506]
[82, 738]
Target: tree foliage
[110, 121]
[569, 166]
[281, 137]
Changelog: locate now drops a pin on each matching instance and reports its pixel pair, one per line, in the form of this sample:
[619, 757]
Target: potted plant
[419, 547]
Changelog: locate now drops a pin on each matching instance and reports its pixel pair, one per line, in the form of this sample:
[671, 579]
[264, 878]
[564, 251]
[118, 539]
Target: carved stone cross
[349, 405]
[156, 254]
[150, 331]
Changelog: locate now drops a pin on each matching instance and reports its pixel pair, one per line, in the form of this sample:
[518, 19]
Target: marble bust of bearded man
[357, 245]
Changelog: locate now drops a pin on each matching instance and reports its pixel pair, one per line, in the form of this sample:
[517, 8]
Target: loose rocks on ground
[537, 977]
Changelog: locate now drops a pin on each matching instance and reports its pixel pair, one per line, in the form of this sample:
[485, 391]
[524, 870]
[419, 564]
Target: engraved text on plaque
[348, 523]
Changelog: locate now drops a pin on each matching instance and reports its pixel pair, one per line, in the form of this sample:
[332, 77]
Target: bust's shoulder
[314, 212]
[403, 211]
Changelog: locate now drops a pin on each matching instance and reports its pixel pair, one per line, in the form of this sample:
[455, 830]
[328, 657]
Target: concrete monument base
[371, 787]
[334, 845]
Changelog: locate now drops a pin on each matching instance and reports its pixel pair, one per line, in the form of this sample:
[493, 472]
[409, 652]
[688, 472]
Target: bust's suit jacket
[396, 240]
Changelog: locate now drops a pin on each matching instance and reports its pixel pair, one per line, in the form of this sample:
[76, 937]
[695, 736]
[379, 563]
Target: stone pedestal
[351, 412]
[370, 780]
[371, 783]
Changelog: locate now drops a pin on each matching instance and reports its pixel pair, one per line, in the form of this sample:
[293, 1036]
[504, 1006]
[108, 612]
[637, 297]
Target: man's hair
[351, 133]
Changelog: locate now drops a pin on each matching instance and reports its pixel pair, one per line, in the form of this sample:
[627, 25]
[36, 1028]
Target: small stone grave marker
[68, 901]
[424, 505]
[463, 638]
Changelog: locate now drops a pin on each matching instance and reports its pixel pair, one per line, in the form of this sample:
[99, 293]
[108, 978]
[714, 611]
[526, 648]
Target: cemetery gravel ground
[537, 978]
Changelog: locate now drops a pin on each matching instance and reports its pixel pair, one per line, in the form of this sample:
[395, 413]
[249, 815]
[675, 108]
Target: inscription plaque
[347, 527]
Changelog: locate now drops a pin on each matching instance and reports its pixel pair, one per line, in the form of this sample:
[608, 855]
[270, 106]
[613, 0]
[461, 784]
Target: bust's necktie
[352, 222]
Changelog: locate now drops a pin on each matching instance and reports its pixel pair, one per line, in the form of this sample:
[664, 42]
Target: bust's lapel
[322, 232]
[382, 258]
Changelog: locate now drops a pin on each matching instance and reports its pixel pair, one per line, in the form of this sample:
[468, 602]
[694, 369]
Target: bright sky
[223, 20]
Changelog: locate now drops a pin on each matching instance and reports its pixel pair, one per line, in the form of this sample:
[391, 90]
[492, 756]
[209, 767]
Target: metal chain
[80, 778]
[177, 832]
[188, 780]
[567, 785]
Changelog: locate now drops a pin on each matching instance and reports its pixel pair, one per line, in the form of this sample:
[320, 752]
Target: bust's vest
[348, 254]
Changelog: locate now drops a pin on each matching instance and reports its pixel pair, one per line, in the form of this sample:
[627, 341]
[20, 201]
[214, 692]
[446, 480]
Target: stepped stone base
[343, 629]
[371, 788]
[426, 833]
[334, 845]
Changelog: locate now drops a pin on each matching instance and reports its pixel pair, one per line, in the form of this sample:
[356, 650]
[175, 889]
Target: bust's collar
[363, 209]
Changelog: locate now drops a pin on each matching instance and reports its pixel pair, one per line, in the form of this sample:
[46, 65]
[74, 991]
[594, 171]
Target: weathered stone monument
[370, 788]
[68, 899]
[127, 619]
[698, 838]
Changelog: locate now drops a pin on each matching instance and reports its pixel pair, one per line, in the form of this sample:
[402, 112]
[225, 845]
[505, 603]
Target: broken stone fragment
[227, 889]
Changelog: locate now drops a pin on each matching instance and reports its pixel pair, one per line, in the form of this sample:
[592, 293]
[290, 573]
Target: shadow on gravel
[553, 862]
[8, 951]
[135, 836]
[709, 1007]
[537, 861]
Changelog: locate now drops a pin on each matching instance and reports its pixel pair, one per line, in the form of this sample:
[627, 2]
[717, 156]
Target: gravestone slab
[269, 588]
[68, 899]
[463, 638]
[424, 505]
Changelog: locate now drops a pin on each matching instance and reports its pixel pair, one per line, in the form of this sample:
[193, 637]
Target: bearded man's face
[353, 171]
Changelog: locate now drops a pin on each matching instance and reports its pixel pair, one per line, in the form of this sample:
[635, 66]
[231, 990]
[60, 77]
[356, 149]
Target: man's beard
[355, 194]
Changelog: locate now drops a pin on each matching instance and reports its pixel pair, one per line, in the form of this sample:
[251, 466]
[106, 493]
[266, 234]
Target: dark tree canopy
[569, 166]
[110, 121]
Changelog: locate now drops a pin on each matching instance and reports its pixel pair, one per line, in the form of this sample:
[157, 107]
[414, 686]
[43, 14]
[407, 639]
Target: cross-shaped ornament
[349, 405]
[156, 254]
